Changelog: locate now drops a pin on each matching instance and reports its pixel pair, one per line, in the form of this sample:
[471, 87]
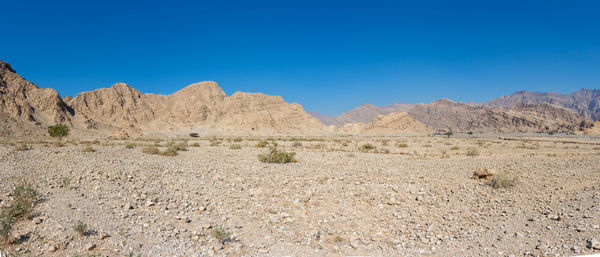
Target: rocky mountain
[23, 105]
[363, 113]
[585, 102]
[448, 115]
[201, 105]
[395, 123]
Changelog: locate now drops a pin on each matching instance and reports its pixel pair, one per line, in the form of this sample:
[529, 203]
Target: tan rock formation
[390, 124]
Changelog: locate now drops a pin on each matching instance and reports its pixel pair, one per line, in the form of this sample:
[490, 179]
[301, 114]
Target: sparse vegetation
[58, 130]
[130, 145]
[150, 150]
[88, 149]
[24, 196]
[402, 145]
[503, 181]
[367, 147]
[215, 143]
[194, 135]
[196, 144]
[22, 147]
[470, 133]
[472, 152]
[297, 144]
[81, 228]
[222, 235]
[262, 144]
[277, 156]
[235, 147]
[58, 144]
[237, 140]
[454, 148]
[449, 134]
[170, 151]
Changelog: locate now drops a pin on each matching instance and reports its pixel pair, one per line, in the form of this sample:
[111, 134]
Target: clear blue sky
[329, 56]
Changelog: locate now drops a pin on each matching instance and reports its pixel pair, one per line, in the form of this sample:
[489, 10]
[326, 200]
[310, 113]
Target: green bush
[193, 134]
[24, 196]
[58, 130]
[449, 134]
[367, 147]
[277, 156]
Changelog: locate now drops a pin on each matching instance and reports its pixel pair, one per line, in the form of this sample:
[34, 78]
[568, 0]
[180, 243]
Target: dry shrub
[150, 150]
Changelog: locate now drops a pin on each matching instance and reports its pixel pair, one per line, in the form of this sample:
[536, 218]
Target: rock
[482, 173]
[90, 246]
[593, 244]
[37, 220]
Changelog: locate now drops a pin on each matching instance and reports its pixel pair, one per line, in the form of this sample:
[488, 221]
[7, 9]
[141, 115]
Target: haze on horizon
[329, 56]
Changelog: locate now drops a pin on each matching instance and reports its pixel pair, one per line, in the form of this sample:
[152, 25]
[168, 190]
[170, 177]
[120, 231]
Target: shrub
[473, 152]
[367, 147]
[215, 143]
[455, 148]
[58, 144]
[470, 133]
[502, 181]
[21, 147]
[130, 145]
[237, 140]
[402, 145]
[449, 134]
[80, 228]
[385, 151]
[6, 222]
[24, 196]
[195, 144]
[297, 144]
[58, 130]
[150, 150]
[235, 147]
[171, 151]
[262, 144]
[88, 149]
[221, 234]
[277, 156]
[193, 134]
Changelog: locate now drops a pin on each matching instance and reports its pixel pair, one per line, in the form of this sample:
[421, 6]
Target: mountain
[363, 113]
[585, 102]
[395, 123]
[448, 115]
[22, 104]
[201, 106]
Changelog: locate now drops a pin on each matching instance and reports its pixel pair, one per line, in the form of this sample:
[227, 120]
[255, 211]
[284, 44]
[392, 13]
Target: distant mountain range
[27, 109]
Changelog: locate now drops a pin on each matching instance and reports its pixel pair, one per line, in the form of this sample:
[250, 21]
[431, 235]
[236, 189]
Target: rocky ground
[410, 196]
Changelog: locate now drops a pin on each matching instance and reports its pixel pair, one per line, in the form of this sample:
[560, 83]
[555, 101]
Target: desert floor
[410, 196]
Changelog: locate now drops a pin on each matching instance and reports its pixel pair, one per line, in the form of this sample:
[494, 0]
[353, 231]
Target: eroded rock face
[24, 101]
[390, 124]
[585, 102]
[448, 115]
[364, 113]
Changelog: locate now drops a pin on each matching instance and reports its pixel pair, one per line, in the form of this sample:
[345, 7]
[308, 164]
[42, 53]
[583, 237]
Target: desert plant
[196, 144]
[470, 133]
[221, 234]
[193, 134]
[455, 148]
[385, 151]
[262, 144]
[58, 130]
[235, 147]
[170, 151]
[297, 144]
[80, 228]
[367, 147]
[402, 145]
[150, 150]
[237, 139]
[473, 152]
[502, 181]
[22, 147]
[277, 156]
[24, 196]
[130, 145]
[449, 134]
[88, 149]
[215, 143]
[6, 223]
[58, 144]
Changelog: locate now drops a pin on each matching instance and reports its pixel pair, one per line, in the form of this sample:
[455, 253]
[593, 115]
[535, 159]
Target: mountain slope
[363, 113]
[585, 102]
[448, 115]
[395, 123]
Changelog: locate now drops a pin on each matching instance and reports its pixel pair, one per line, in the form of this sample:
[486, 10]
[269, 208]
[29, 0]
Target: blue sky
[329, 56]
